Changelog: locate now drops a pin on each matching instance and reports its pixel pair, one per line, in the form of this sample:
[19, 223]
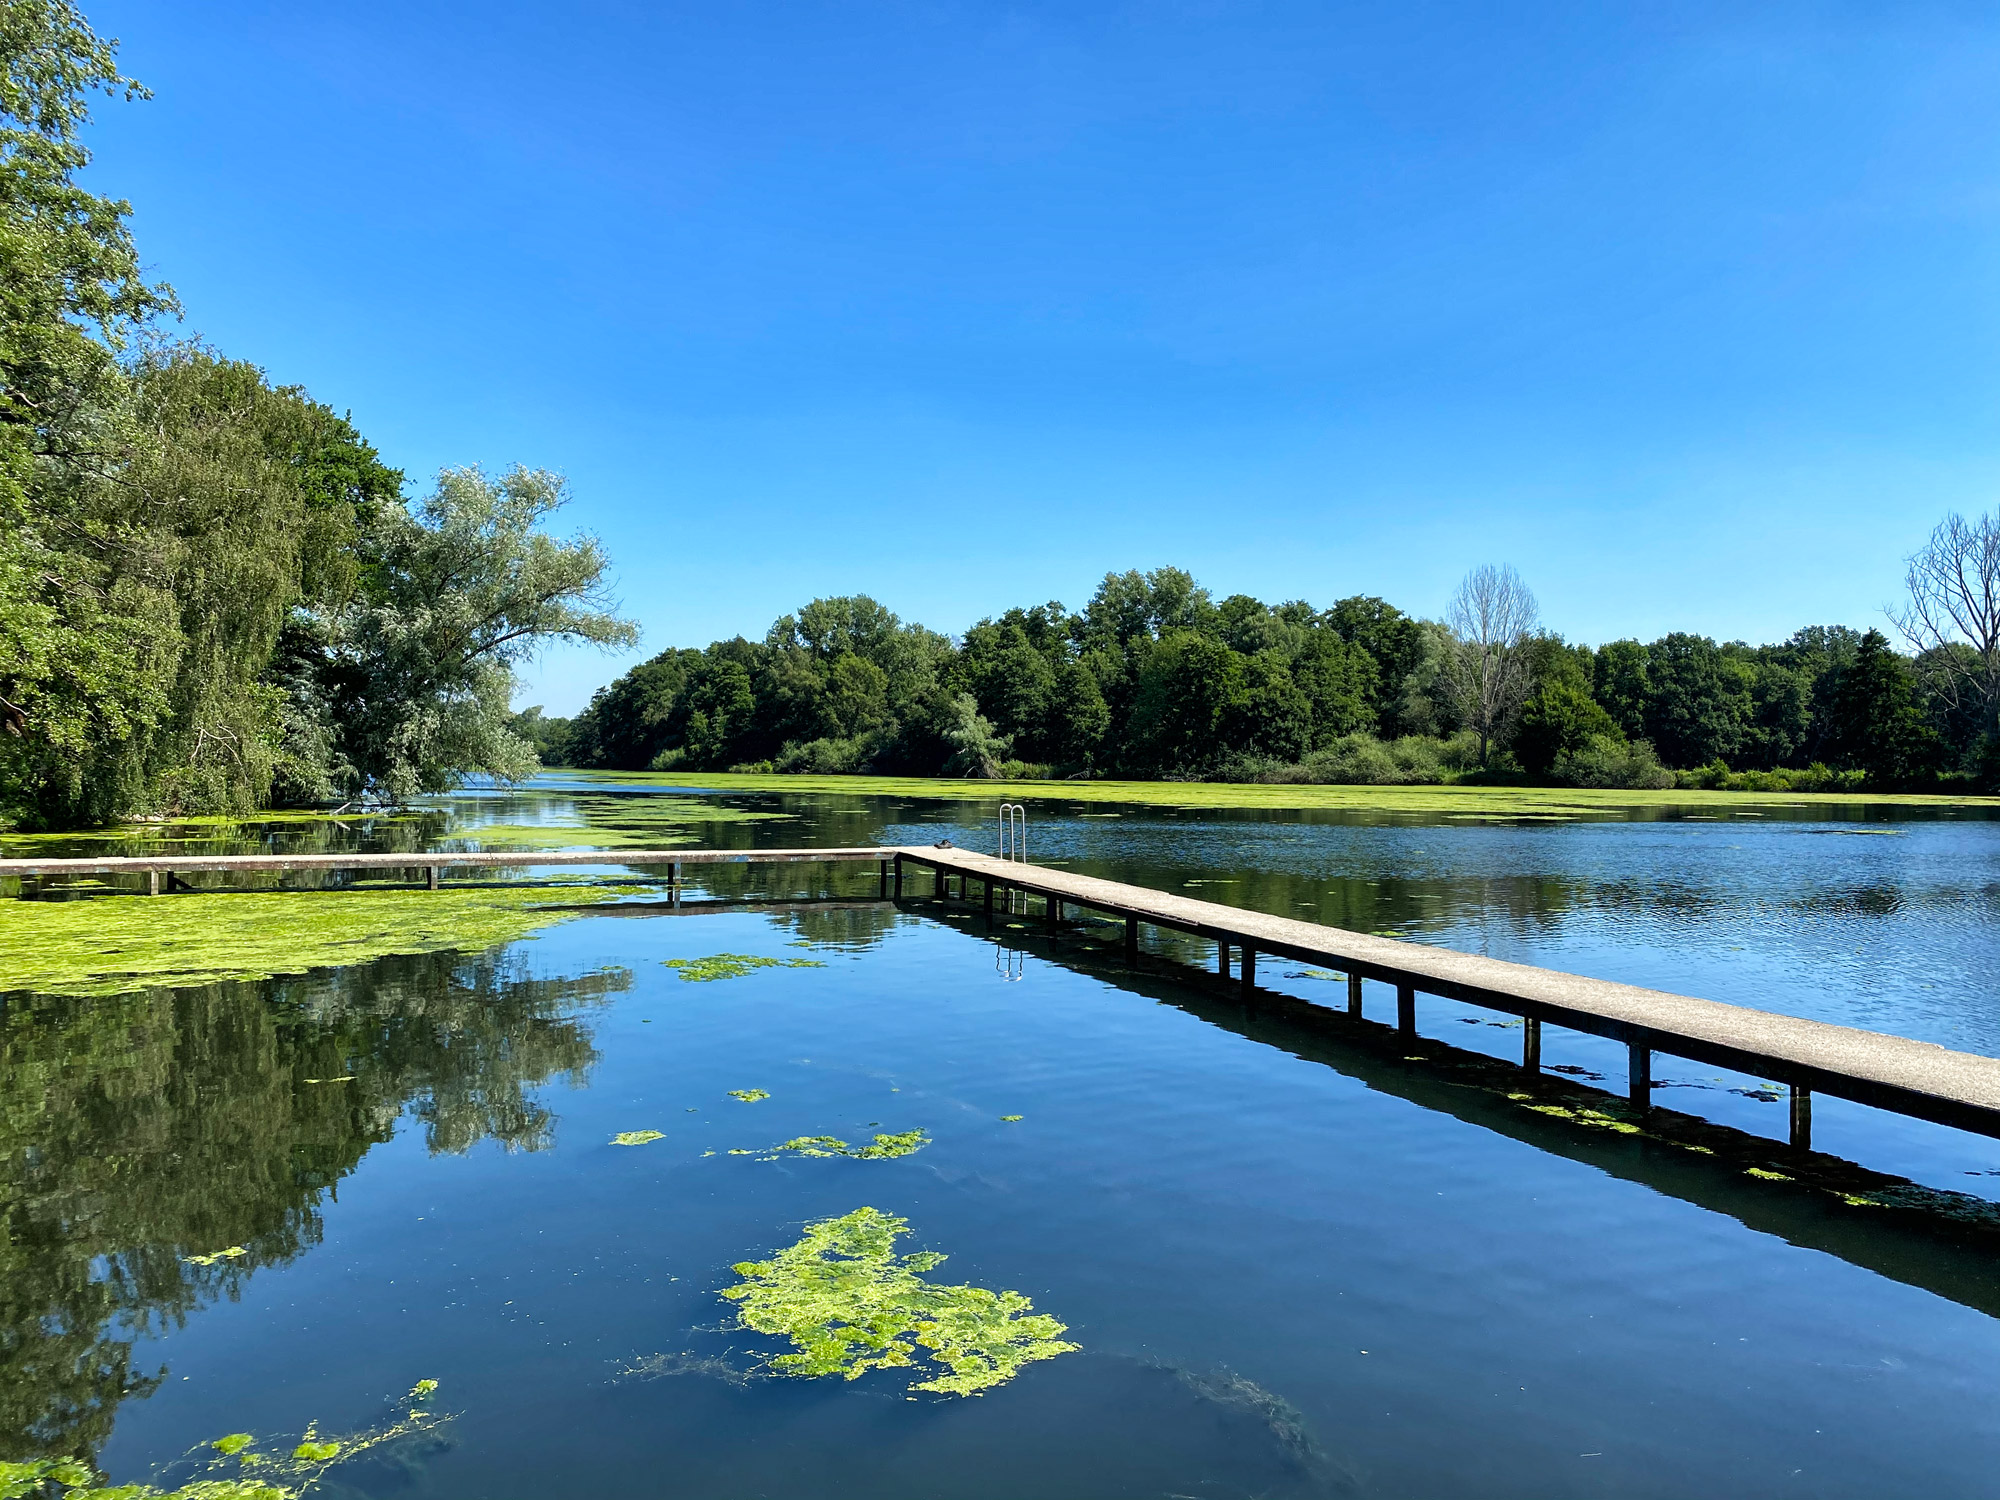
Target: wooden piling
[1406, 1009]
[1639, 1076]
[1531, 1045]
[1801, 1118]
[1353, 994]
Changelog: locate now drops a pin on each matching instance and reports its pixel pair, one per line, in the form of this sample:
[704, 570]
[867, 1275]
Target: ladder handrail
[1014, 832]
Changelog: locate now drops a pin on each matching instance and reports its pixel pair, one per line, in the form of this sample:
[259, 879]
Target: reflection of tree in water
[137, 1130]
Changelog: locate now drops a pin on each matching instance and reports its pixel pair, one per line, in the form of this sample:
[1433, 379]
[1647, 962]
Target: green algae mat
[1426, 801]
[107, 945]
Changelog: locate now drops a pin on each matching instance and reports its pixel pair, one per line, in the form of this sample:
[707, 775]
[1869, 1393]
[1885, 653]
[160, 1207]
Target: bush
[823, 757]
[1611, 761]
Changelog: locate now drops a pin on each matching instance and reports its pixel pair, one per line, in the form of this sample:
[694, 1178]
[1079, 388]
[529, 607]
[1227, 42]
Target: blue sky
[1689, 312]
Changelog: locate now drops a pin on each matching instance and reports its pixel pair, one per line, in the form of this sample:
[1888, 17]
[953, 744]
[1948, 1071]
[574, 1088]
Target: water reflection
[139, 1130]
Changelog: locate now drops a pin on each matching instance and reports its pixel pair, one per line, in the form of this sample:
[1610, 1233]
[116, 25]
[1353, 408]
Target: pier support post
[1801, 1118]
[430, 877]
[1531, 1045]
[882, 870]
[1248, 968]
[1406, 1009]
[1131, 937]
[1222, 959]
[1353, 994]
[987, 892]
[674, 882]
[1052, 910]
[899, 877]
[1639, 1076]
[152, 882]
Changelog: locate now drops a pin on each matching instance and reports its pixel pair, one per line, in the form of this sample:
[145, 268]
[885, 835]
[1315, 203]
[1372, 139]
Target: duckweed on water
[882, 1148]
[638, 1137]
[849, 1304]
[733, 966]
[749, 1096]
[230, 1468]
[114, 944]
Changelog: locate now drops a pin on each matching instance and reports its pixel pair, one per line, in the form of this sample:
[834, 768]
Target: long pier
[1918, 1079]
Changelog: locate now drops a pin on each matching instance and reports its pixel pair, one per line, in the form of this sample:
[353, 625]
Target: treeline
[1155, 678]
[213, 593]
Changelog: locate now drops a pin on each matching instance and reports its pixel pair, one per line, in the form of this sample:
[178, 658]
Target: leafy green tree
[1561, 717]
[1876, 725]
[1188, 685]
[1620, 683]
[1394, 643]
[977, 749]
[414, 672]
[1695, 705]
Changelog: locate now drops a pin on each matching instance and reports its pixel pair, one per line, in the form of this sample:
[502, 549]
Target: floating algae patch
[732, 966]
[232, 1467]
[882, 1148]
[638, 1137]
[850, 1304]
[749, 1096]
[234, 1252]
[113, 944]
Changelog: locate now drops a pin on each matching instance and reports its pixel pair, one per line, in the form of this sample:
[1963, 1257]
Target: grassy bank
[1428, 801]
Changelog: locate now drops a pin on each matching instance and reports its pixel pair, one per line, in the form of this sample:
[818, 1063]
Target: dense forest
[214, 595]
[1155, 678]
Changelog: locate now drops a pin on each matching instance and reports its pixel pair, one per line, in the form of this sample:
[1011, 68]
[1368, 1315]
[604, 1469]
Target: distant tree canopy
[213, 594]
[1154, 677]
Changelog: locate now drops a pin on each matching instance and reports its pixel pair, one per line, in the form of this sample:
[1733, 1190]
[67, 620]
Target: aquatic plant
[638, 1137]
[232, 1467]
[1012, 1119]
[732, 966]
[116, 944]
[882, 1148]
[1427, 800]
[749, 1096]
[850, 1304]
[234, 1252]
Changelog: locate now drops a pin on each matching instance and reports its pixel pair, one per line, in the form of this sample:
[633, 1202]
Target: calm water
[1298, 1262]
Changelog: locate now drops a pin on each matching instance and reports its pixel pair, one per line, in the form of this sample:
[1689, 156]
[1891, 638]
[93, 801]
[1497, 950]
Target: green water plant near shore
[638, 1137]
[850, 1304]
[232, 1467]
[732, 966]
[114, 944]
[1412, 801]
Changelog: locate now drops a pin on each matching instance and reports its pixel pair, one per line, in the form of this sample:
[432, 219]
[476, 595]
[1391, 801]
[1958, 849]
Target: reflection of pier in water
[1941, 1242]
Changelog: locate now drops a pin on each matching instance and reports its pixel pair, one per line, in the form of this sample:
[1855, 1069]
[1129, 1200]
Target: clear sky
[1687, 311]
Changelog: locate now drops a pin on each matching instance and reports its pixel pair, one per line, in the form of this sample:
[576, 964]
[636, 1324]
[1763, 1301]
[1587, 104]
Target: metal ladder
[1014, 843]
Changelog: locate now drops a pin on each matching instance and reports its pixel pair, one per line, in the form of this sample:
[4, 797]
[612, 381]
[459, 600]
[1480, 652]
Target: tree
[1954, 599]
[976, 749]
[1560, 718]
[413, 673]
[1695, 706]
[1875, 724]
[76, 644]
[1393, 642]
[1620, 683]
[1491, 617]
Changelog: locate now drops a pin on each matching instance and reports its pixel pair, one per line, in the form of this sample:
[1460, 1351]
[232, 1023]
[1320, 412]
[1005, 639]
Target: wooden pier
[1919, 1079]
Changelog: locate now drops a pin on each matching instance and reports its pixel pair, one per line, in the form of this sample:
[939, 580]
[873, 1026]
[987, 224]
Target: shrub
[1606, 760]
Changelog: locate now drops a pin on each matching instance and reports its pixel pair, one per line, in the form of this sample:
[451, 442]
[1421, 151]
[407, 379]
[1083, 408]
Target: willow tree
[406, 680]
[77, 638]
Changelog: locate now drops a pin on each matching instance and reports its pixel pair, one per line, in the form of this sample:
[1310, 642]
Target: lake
[1295, 1256]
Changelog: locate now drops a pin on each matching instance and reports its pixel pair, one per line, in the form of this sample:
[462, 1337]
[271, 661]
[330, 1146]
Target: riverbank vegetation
[214, 595]
[1154, 679]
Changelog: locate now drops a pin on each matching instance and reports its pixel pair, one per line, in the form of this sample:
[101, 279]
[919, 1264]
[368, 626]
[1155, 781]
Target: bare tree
[1954, 583]
[1491, 617]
